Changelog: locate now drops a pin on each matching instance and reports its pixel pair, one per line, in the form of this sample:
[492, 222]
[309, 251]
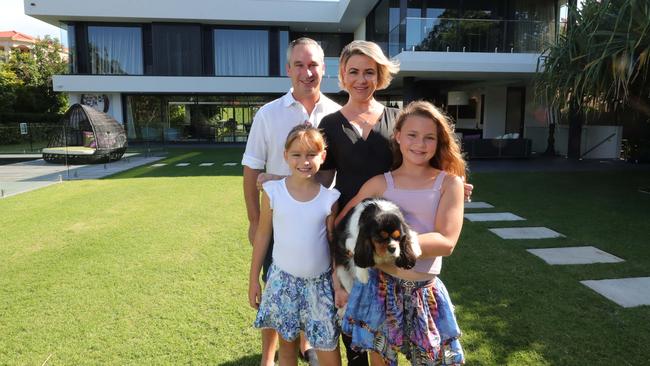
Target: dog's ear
[406, 257]
[364, 250]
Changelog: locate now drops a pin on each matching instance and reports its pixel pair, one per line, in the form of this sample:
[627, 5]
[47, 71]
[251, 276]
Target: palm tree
[601, 60]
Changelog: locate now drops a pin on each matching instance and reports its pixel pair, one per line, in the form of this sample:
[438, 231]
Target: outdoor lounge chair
[86, 136]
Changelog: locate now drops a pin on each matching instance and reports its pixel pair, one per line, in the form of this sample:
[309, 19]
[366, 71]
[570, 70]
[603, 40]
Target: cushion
[69, 150]
[89, 139]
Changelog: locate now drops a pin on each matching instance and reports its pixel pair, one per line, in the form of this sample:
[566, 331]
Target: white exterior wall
[114, 103]
[591, 136]
[468, 65]
[100, 84]
[495, 112]
[360, 32]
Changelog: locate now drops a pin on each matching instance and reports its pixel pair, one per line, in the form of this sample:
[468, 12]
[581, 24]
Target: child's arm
[449, 221]
[375, 186]
[340, 295]
[260, 246]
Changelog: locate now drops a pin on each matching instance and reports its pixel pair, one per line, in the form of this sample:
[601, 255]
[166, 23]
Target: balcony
[470, 35]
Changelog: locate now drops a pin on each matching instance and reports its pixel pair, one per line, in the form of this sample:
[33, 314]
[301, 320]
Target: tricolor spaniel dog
[373, 232]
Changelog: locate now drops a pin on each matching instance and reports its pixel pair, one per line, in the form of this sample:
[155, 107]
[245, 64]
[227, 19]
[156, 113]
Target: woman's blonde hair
[385, 68]
[307, 136]
[448, 156]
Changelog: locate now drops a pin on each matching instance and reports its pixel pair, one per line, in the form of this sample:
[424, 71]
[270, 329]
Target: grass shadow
[251, 360]
[194, 157]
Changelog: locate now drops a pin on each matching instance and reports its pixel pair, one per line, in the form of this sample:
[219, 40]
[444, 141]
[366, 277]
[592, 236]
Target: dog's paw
[415, 244]
[362, 275]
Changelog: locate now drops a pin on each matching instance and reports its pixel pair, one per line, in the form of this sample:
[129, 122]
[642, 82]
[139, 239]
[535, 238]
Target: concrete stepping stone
[574, 255]
[158, 165]
[526, 233]
[206, 164]
[478, 205]
[627, 292]
[183, 164]
[229, 164]
[493, 216]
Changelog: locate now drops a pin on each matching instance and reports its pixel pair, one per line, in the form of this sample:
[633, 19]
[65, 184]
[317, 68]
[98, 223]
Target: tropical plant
[602, 58]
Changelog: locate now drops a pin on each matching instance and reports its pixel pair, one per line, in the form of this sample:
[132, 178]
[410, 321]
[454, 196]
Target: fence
[25, 137]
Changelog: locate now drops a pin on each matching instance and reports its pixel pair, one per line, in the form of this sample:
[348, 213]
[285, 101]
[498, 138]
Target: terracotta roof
[17, 36]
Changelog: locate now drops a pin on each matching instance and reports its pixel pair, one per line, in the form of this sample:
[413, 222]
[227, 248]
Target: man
[304, 103]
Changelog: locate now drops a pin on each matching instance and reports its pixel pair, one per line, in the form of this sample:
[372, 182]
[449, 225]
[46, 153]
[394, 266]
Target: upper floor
[205, 37]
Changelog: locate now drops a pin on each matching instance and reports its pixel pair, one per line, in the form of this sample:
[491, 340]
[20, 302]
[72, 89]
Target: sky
[12, 17]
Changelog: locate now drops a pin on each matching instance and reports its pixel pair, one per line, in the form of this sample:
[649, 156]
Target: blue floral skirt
[292, 304]
[390, 315]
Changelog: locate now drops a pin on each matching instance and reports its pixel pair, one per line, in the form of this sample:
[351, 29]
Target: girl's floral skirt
[390, 315]
[292, 304]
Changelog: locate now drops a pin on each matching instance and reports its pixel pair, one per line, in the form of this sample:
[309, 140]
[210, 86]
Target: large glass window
[284, 44]
[72, 49]
[115, 50]
[176, 49]
[232, 59]
[185, 118]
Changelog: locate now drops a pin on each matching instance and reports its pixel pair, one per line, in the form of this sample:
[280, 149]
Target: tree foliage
[26, 79]
[602, 58]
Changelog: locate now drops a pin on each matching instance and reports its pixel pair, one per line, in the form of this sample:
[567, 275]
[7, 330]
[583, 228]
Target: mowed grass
[150, 267]
[515, 309]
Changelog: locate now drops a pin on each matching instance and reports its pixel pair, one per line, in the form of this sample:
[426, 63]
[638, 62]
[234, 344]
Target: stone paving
[34, 174]
[526, 233]
[626, 292]
[478, 205]
[493, 216]
[574, 255]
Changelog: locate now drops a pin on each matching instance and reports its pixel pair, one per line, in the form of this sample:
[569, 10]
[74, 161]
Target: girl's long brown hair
[448, 156]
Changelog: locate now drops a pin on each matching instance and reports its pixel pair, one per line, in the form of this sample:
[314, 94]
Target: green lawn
[150, 267]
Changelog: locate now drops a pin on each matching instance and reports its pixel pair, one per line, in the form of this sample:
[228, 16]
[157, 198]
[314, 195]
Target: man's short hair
[306, 42]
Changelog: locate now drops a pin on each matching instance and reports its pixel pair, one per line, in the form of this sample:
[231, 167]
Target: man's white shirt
[271, 125]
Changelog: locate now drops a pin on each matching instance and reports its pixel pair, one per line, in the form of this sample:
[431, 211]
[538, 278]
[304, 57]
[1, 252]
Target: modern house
[198, 70]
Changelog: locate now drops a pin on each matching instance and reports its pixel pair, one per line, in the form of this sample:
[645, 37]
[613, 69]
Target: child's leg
[376, 359]
[288, 352]
[329, 357]
[269, 342]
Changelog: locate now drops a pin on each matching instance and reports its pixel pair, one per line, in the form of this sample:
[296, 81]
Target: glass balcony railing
[470, 35]
[331, 67]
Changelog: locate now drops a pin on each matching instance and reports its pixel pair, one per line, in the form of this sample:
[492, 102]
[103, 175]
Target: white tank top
[300, 245]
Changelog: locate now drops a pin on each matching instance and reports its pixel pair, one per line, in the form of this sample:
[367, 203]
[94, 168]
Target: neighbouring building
[12, 40]
[198, 70]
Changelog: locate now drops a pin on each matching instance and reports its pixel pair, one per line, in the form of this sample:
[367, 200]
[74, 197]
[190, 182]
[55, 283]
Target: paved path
[29, 175]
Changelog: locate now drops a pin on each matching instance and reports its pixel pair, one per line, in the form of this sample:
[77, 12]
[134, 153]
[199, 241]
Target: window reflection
[232, 59]
[115, 50]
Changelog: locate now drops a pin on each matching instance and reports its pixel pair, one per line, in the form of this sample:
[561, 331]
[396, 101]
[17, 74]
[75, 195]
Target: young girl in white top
[299, 212]
[409, 310]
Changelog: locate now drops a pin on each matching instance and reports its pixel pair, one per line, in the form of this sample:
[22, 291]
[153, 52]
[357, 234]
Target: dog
[374, 232]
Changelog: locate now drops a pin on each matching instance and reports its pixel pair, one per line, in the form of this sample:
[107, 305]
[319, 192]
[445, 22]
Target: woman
[358, 136]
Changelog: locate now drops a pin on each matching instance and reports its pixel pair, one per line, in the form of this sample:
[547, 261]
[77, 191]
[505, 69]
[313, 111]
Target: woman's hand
[467, 190]
[254, 293]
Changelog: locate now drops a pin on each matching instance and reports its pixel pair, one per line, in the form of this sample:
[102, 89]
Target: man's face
[305, 68]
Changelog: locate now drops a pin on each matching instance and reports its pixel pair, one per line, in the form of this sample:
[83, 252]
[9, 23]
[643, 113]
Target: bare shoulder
[376, 185]
[452, 182]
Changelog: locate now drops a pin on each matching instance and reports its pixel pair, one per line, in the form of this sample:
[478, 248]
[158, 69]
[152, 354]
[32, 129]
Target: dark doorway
[515, 108]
